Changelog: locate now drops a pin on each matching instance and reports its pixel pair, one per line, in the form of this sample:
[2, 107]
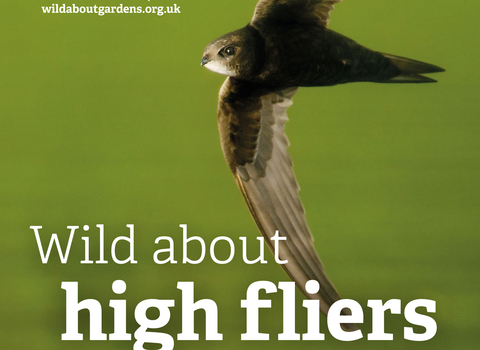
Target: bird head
[237, 54]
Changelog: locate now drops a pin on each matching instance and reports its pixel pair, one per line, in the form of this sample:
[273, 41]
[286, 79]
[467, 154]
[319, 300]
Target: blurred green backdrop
[110, 120]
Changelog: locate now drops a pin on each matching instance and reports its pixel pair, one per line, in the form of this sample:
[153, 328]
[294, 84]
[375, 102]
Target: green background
[111, 120]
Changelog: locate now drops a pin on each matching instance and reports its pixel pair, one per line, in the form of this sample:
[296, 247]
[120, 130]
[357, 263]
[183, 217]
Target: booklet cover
[128, 222]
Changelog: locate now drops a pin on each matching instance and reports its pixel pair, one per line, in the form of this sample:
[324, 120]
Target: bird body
[311, 56]
[289, 52]
[285, 46]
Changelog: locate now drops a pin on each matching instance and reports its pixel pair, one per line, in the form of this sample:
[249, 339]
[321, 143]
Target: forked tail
[411, 70]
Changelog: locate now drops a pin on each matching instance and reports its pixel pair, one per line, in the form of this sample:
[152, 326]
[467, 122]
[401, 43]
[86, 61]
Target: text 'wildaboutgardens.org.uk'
[104, 10]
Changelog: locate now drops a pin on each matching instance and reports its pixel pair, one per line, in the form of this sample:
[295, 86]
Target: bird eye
[228, 51]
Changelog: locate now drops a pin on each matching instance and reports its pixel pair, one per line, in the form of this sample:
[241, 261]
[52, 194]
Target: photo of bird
[285, 46]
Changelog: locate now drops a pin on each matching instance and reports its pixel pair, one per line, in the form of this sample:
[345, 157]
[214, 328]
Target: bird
[287, 45]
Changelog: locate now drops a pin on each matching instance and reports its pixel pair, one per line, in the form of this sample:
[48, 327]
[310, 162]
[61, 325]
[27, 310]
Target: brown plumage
[287, 45]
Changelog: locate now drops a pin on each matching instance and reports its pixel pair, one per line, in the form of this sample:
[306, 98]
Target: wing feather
[267, 180]
[298, 11]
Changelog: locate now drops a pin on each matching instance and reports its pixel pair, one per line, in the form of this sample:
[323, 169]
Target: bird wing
[252, 131]
[297, 11]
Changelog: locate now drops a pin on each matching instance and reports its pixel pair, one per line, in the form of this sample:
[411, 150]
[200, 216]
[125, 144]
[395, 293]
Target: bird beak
[205, 60]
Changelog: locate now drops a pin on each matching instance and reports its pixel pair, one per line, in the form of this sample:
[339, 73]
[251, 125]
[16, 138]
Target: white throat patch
[219, 67]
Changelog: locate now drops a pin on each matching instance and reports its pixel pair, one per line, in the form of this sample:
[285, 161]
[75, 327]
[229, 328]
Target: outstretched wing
[298, 11]
[252, 132]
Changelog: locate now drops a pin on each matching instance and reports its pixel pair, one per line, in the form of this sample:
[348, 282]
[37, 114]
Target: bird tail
[411, 71]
